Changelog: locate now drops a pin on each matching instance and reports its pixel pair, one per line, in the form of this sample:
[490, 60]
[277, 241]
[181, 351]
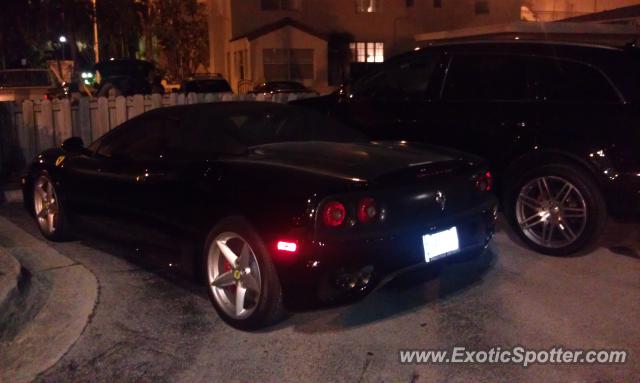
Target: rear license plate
[440, 243]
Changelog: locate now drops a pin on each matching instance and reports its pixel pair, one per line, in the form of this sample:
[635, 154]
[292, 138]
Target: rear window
[242, 126]
[565, 81]
[24, 78]
[252, 129]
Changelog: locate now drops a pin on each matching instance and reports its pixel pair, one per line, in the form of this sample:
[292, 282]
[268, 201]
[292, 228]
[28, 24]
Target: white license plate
[440, 243]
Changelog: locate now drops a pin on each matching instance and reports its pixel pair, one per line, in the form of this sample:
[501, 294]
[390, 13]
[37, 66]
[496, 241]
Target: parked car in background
[558, 122]
[25, 84]
[125, 78]
[267, 202]
[209, 83]
[277, 87]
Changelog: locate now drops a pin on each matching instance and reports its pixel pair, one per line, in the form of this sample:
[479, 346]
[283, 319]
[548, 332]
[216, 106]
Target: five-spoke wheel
[48, 208]
[234, 275]
[45, 204]
[242, 281]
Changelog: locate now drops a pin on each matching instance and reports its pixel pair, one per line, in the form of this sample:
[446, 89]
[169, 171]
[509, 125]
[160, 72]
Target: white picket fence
[41, 124]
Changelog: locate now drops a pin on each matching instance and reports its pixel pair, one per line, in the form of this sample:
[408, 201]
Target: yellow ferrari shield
[59, 160]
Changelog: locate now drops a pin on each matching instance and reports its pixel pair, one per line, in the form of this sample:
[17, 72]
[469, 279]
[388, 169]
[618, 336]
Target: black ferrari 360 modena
[266, 202]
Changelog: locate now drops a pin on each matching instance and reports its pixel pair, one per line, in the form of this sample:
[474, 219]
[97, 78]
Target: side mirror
[73, 145]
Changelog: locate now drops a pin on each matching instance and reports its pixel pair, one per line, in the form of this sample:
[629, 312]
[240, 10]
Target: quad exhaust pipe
[356, 280]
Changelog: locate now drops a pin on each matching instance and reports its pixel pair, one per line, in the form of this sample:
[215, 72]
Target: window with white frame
[369, 52]
[285, 5]
[288, 64]
[368, 6]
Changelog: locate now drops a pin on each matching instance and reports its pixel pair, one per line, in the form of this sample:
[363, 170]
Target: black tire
[108, 90]
[269, 308]
[62, 231]
[596, 212]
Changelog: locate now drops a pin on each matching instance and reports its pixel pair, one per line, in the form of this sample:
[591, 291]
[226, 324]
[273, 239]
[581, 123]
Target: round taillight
[484, 182]
[367, 210]
[333, 213]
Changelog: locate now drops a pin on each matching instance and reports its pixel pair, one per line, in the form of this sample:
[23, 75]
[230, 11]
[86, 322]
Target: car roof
[530, 43]
[565, 49]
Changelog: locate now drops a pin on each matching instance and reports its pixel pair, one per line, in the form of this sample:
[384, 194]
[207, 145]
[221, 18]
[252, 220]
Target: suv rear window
[565, 81]
[486, 78]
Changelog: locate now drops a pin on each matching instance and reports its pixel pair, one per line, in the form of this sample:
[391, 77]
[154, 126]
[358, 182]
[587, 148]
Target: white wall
[292, 38]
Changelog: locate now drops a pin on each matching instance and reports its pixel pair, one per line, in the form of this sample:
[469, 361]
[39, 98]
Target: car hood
[357, 161]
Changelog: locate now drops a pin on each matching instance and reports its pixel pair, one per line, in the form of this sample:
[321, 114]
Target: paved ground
[149, 326]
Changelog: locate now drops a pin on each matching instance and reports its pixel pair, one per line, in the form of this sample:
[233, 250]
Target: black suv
[559, 123]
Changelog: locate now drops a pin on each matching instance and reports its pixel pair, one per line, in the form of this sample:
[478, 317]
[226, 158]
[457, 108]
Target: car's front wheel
[556, 209]
[241, 279]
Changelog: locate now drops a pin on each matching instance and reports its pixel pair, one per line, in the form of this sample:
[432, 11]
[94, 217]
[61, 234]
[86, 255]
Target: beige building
[256, 40]
[553, 10]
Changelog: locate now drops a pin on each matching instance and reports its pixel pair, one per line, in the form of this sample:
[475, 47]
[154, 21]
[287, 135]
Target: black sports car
[267, 202]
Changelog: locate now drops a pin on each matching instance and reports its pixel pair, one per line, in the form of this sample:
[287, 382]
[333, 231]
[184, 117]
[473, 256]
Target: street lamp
[62, 39]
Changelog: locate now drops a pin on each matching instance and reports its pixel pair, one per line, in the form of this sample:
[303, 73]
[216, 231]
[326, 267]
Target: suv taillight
[484, 182]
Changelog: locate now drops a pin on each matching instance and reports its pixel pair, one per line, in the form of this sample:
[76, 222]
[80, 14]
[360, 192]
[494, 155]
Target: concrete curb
[9, 276]
[62, 309]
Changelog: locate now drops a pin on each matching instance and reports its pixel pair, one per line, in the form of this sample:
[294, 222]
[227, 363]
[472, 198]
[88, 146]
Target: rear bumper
[327, 272]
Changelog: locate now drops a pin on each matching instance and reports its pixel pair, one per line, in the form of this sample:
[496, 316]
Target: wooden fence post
[61, 121]
[102, 117]
[121, 110]
[137, 106]
[27, 135]
[44, 125]
[84, 128]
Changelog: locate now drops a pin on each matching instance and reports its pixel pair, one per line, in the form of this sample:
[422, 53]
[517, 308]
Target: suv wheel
[556, 209]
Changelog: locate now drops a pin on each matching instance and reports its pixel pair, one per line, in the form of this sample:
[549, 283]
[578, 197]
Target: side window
[486, 78]
[150, 141]
[112, 142]
[409, 79]
[143, 139]
[563, 81]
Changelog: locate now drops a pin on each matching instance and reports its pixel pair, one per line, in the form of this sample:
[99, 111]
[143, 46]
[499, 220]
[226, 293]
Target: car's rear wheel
[48, 209]
[241, 279]
[556, 209]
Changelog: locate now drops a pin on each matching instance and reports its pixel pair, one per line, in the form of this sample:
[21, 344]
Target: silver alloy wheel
[233, 274]
[551, 211]
[45, 204]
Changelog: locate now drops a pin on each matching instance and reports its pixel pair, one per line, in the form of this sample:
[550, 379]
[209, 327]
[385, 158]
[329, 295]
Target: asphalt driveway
[149, 325]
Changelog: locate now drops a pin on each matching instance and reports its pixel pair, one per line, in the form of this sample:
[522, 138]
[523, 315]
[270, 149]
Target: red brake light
[333, 213]
[289, 247]
[367, 210]
[484, 182]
